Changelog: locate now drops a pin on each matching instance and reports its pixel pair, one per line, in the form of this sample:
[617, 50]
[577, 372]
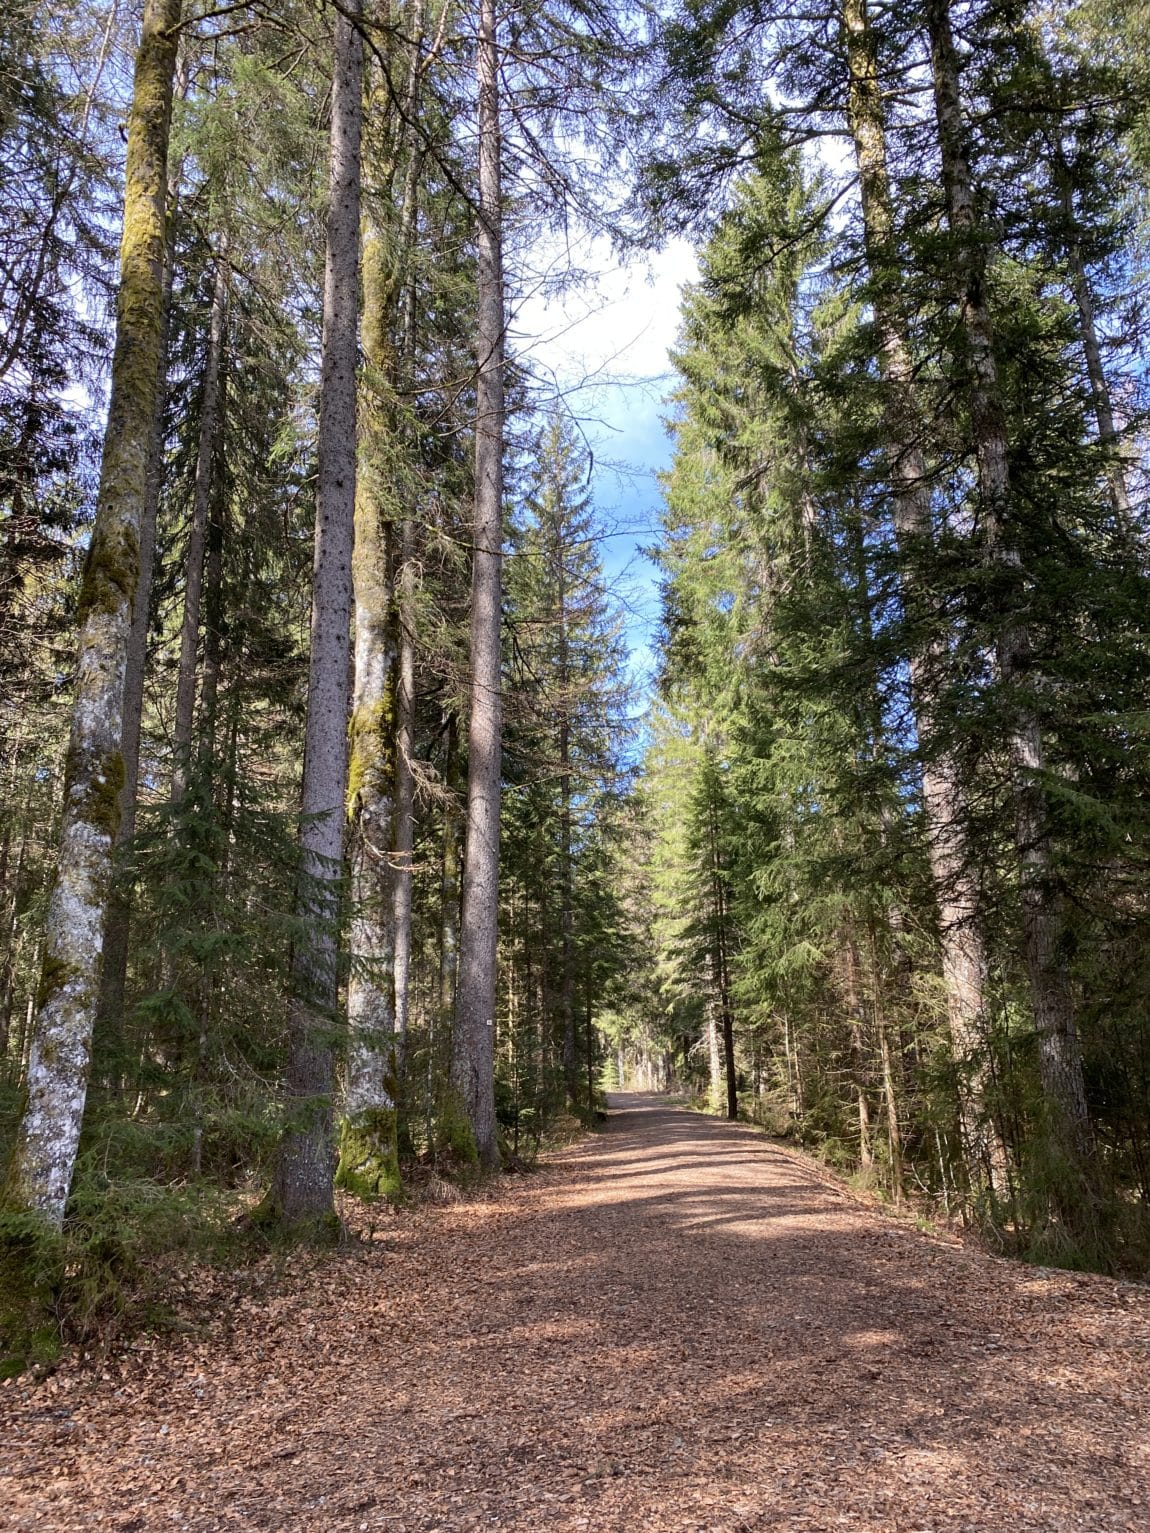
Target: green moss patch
[369, 1156]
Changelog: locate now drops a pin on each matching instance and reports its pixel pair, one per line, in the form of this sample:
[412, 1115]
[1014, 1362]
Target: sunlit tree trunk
[301, 1195]
[40, 1173]
[714, 1055]
[474, 1034]
[368, 1154]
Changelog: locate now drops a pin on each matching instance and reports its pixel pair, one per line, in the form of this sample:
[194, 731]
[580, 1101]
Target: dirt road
[674, 1327]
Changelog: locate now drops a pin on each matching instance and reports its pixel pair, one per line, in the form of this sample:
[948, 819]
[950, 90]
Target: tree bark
[198, 535]
[368, 1145]
[214, 620]
[890, 1095]
[1060, 1060]
[722, 969]
[474, 1034]
[449, 882]
[380, 781]
[108, 1042]
[714, 1055]
[566, 876]
[43, 1160]
[1092, 350]
[301, 1195]
[403, 838]
[857, 1024]
[964, 963]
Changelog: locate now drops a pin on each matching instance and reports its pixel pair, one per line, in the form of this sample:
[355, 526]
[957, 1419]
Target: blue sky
[605, 348]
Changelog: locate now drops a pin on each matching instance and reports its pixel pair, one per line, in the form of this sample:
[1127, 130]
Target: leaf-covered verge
[683, 1329]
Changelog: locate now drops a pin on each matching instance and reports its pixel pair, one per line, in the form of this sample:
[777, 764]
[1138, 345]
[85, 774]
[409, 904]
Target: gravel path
[675, 1326]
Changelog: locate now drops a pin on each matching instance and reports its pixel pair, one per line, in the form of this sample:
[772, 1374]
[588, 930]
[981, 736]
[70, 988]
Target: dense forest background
[336, 845]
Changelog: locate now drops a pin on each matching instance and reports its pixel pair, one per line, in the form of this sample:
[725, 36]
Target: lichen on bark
[111, 570]
[40, 1172]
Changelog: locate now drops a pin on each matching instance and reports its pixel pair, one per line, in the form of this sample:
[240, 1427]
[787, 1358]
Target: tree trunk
[589, 1035]
[857, 1024]
[198, 535]
[368, 1147]
[1092, 350]
[1060, 1058]
[566, 898]
[403, 838]
[964, 964]
[714, 1056]
[40, 1174]
[214, 619]
[727, 1016]
[13, 885]
[380, 800]
[474, 1035]
[301, 1195]
[890, 1095]
[449, 882]
[722, 973]
[108, 1039]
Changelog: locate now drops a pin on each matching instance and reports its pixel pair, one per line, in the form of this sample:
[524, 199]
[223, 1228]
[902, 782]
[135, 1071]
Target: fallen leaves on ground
[674, 1327]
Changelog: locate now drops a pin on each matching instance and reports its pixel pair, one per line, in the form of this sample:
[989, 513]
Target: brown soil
[675, 1326]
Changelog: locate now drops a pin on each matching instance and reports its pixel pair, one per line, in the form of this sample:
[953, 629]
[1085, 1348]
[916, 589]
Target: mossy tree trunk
[108, 1042]
[44, 1156]
[377, 986]
[300, 1199]
[473, 1039]
[368, 1136]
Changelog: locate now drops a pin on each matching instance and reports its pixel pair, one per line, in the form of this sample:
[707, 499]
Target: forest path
[675, 1326]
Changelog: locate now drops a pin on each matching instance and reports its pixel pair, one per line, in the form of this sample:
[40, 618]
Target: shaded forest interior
[340, 847]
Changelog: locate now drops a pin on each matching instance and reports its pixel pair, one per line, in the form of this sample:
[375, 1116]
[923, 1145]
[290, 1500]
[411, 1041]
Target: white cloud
[617, 327]
[604, 346]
